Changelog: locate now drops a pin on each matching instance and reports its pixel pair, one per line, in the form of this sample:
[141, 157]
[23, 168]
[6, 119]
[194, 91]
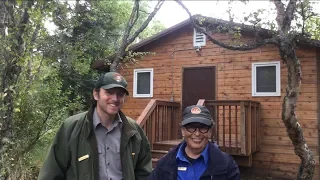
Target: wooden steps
[158, 153]
[166, 145]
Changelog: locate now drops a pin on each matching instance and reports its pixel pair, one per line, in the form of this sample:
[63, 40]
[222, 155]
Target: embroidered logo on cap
[195, 110]
[117, 77]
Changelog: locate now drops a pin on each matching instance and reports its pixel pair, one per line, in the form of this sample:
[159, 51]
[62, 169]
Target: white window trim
[278, 78]
[197, 45]
[135, 76]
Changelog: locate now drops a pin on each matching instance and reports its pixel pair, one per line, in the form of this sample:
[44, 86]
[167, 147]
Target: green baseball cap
[197, 114]
[112, 80]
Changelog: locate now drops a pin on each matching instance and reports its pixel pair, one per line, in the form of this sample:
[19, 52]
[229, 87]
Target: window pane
[143, 84]
[266, 79]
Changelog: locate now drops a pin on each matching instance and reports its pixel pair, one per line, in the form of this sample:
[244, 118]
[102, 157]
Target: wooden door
[198, 83]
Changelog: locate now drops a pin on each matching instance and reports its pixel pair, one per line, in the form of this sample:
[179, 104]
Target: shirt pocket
[102, 157]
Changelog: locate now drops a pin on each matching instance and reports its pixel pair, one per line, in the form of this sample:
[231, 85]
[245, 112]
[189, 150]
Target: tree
[129, 36]
[29, 97]
[44, 78]
[87, 32]
[313, 27]
[285, 38]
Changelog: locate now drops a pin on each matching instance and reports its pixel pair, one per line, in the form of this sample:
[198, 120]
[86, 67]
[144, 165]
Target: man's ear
[95, 94]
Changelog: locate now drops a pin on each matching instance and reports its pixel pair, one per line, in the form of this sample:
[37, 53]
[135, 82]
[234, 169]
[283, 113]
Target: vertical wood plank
[223, 127]
[230, 130]
[236, 118]
[249, 128]
[153, 126]
[217, 126]
[243, 129]
[213, 130]
[157, 122]
[255, 127]
[170, 121]
[259, 126]
[166, 121]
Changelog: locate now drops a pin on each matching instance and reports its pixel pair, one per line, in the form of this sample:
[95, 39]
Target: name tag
[83, 157]
[182, 168]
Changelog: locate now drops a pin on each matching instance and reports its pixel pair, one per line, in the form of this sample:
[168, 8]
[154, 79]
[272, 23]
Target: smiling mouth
[113, 105]
[197, 140]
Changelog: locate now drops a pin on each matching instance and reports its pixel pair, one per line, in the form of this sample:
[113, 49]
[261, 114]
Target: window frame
[135, 83]
[278, 78]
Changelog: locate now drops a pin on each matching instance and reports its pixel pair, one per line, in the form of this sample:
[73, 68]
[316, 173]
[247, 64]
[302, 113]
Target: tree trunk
[9, 77]
[289, 117]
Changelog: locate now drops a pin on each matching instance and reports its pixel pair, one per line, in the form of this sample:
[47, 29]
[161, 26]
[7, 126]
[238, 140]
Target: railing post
[201, 102]
[249, 116]
[243, 129]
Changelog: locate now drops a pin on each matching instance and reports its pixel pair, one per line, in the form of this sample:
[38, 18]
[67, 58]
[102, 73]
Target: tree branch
[280, 12]
[136, 15]
[245, 47]
[285, 16]
[21, 28]
[126, 41]
[289, 14]
[131, 22]
[3, 18]
[37, 136]
[146, 22]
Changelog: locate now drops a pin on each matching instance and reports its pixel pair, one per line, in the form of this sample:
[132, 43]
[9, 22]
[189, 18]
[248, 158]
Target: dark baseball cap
[112, 80]
[196, 114]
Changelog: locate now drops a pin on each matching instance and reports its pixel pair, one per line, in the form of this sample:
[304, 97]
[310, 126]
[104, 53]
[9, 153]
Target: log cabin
[244, 91]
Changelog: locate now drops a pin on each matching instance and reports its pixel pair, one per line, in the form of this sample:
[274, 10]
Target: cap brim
[109, 86]
[197, 120]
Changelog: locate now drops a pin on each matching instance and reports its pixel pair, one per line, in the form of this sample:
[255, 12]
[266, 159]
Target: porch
[237, 129]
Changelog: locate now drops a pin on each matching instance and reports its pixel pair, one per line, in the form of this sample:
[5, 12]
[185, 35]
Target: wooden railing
[160, 120]
[237, 129]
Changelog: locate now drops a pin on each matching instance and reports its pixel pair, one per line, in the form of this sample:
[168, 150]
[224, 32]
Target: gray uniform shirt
[108, 141]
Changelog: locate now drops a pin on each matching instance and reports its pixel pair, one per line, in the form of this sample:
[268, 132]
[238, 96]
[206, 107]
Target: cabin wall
[276, 156]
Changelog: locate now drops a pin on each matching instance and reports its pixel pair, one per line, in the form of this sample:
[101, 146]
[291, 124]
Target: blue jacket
[221, 166]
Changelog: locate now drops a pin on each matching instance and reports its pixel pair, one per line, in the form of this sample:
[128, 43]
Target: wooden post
[153, 126]
[223, 127]
[249, 122]
[243, 129]
[236, 118]
[230, 132]
[201, 102]
[217, 125]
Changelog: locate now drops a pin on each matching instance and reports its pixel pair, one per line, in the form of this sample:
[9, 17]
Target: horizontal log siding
[276, 156]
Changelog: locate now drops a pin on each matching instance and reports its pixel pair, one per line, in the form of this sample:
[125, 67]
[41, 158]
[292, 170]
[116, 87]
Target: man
[101, 144]
[196, 158]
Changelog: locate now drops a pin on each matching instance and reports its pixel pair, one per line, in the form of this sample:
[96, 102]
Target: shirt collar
[97, 121]
[181, 155]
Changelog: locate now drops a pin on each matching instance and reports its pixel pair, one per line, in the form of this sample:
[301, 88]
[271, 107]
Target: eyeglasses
[202, 129]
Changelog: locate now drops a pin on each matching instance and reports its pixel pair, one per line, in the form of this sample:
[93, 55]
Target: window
[199, 39]
[266, 79]
[143, 83]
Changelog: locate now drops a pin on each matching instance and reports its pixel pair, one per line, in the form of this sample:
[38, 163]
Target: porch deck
[237, 129]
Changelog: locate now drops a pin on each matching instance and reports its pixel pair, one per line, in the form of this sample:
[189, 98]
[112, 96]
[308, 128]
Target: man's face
[110, 101]
[196, 136]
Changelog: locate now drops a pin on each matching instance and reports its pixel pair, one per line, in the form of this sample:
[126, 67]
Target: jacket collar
[128, 129]
[216, 164]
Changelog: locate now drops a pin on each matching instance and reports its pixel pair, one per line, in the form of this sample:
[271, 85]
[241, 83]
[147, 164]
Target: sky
[171, 13]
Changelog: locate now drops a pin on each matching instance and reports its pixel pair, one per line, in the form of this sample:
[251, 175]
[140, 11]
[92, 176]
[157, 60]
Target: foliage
[313, 27]
[45, 78]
